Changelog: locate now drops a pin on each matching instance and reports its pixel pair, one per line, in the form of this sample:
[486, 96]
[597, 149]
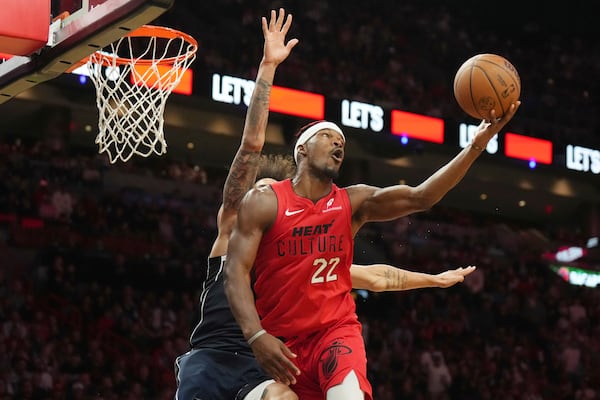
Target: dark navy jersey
[217, 328]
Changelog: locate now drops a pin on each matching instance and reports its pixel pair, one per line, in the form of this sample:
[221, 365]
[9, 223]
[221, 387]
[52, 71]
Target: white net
[133, 79]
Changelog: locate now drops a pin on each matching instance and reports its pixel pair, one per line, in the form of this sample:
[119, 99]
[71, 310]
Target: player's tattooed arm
[240, 179]
[244, 168]
[385, 278]
[258, 113]
[378, 277]
[395, 279]
[245, 165]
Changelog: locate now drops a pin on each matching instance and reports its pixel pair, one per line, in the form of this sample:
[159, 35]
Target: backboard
[77, 28]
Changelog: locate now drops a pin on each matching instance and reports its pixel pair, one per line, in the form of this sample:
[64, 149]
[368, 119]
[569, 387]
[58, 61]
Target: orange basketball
[485, 82]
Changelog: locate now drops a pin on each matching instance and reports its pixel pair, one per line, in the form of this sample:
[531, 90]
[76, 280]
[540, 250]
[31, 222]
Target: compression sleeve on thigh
[349, 389]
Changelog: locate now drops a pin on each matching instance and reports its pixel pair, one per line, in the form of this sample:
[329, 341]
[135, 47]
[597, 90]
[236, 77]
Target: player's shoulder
[260, 197]
[360, 189]
[258, 207]
[361, 186]
[358, 195]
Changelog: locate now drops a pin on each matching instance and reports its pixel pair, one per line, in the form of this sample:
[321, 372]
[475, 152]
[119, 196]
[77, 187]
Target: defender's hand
[276, 50]
[453, 276]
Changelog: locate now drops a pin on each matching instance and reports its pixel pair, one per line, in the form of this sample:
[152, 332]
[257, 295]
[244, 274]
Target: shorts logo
[329, 357]
[289, 213]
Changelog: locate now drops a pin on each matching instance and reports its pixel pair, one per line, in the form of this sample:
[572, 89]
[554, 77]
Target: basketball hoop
[133, 77]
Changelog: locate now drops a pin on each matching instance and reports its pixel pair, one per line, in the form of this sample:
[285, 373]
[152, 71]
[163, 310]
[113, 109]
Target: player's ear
[302, 150]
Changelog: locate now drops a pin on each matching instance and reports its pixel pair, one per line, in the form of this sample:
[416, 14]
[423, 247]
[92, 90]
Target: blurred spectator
[62, 202]
[437, 374]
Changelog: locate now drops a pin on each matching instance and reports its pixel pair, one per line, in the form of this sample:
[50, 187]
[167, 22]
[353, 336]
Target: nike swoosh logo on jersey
[289, 213]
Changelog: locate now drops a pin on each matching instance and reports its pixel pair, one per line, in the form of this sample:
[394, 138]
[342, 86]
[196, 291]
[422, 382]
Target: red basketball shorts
[325, 359]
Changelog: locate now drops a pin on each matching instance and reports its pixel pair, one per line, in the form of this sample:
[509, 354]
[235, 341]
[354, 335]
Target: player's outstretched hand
[488, 128]
[453, 276]
[275, 358]
[276, 50]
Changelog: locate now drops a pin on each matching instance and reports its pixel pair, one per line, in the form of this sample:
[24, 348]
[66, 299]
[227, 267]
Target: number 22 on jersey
[325, 270]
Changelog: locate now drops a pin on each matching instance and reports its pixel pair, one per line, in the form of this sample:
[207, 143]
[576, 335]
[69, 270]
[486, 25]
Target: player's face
[325, 153]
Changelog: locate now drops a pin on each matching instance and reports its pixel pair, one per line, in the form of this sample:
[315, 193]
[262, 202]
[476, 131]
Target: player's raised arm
[242, 172]
[243, 169]
[383, 204]
[385, 278]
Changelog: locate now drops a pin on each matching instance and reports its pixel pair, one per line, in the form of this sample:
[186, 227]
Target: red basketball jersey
[303, 264]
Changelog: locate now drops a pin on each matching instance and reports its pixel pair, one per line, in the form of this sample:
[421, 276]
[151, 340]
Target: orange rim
[146, 31]
[61, 16]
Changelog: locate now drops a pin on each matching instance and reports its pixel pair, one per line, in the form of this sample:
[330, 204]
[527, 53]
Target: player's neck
[311, 187]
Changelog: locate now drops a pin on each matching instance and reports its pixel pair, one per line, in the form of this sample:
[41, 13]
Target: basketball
[485, 82]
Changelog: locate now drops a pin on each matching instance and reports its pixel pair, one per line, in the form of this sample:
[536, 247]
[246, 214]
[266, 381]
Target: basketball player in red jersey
[297, 234]
[219, 363]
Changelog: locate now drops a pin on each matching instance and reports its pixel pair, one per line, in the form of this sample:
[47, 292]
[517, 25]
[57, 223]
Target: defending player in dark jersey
[298, 238]
[219, 364]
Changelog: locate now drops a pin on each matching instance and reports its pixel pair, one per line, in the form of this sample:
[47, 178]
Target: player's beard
[325, 173]
[331, 173]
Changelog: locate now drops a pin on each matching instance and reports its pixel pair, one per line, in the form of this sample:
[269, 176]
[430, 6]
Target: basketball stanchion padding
[24, 26]
[133, 78]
